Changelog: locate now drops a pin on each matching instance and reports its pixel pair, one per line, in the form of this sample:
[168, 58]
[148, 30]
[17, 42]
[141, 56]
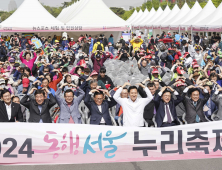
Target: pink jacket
[30, 62]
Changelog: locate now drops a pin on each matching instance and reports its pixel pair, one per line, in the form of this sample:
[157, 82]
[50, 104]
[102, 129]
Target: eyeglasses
[103, 72]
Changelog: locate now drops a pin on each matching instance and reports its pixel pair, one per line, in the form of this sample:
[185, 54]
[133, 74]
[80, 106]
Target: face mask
[89, 42]
[87, 62]
[153, 57]
[205, 38]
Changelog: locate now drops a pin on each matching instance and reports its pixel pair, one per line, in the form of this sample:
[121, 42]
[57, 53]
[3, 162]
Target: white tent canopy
[193, 12]
[31, 16]
[145, 14]
[169, 17]
[182, 14]
[132, 16]
[156, 16]
[139, 15]
[207, 10]
[211, 18]
[96, 16]
[165, 13]
[148, 18]
[73, 11]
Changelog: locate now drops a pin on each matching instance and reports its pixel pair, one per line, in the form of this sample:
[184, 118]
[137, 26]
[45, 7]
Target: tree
[118, 11]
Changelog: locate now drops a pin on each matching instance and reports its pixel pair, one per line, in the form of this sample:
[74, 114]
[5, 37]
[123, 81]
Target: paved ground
[204, 164]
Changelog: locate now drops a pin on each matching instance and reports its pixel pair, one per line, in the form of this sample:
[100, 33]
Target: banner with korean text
[34, 144]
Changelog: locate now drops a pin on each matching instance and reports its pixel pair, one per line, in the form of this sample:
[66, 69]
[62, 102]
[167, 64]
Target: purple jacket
[98, 64]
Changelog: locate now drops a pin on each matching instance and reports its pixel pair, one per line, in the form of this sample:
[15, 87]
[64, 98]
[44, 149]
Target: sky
[110, 3]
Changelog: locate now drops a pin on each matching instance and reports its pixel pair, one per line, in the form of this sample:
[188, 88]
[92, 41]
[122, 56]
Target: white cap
[72, 38]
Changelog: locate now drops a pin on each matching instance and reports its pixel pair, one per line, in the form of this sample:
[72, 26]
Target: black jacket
[16, 113]
[35, 115]
[106, 80]
[3, 51]
[149, 109]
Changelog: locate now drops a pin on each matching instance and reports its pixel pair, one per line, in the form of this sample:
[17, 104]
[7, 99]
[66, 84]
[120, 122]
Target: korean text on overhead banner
[37, 43]
[33, 144]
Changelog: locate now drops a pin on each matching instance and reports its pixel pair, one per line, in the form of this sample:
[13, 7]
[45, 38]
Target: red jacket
[71, 43]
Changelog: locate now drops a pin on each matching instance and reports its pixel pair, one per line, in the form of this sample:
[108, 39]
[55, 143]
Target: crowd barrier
[35, 144]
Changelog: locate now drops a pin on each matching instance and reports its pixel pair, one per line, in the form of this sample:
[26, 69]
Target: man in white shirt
[133, 107]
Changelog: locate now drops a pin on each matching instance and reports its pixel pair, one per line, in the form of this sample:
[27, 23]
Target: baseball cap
[208, 56]
[196, 66]
[180, 70]
[93, 73]
[2, 81]
[25, 82]
[155, 70]
[22, 65]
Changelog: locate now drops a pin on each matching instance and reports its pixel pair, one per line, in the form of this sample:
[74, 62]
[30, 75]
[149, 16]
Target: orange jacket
[53, 84]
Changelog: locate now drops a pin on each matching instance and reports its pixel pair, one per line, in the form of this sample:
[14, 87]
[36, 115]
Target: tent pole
[179, 29]
[191, 33]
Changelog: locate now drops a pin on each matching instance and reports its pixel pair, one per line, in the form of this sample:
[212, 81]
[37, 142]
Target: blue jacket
[160, 108]
[111, 40]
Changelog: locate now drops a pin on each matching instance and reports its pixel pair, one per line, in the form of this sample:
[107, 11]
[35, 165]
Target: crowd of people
[168, 80]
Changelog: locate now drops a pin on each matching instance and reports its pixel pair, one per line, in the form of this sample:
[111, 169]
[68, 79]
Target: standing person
[69, 112]
[196, 39]
[72, 42]
[10, 111]
[27, 60]
[40, 106]
[99, 108]
[110, 40]
[133, 107]
[98, 60]
[194, 105]
[166, 107]
[149, 110]
[136, 43]
[85, 47]
[3, 52]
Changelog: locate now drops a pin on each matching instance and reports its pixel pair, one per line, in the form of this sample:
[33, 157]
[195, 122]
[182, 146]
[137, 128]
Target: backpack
[99, 47]
[162, 47]
[163, 57]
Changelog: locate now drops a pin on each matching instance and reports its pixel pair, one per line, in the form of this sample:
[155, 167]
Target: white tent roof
[73, 10]
[145, 14]
[170, 17]
[96, 16]
[207, 10]
[31, 16]
[156, 16]
[147, 19]
[165, 13]
[139, 15]
[132, 16]
[63, 12]
[211, 18]
[193, 12]
[183, 12]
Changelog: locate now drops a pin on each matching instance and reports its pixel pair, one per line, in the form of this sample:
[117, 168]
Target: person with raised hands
[69, 112]
[99, 107]
[40, 106]
[166, 107]
[133, 107]
[194, 104]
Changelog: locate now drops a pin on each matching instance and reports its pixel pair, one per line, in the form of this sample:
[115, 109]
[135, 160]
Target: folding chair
[214, 116]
